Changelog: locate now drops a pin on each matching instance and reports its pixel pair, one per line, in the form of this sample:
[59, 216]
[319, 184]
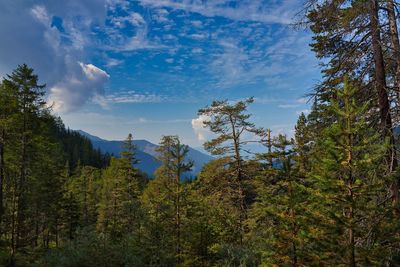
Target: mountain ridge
[146, 153]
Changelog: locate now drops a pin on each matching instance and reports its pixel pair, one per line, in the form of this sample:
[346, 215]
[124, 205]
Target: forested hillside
[327, 196]
[146, 154]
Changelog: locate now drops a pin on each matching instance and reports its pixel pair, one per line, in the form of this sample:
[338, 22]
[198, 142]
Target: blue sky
[114, 66]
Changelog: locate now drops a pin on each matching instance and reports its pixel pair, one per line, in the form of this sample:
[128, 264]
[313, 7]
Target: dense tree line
[37, 157]
[329, 196]
[306, 201]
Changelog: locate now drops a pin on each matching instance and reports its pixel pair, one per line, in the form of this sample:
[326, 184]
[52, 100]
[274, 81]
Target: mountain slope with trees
[333, 199]
[147, 154]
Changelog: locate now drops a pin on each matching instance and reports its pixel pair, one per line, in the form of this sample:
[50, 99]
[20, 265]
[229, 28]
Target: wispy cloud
[133, 97]
[287, 129]
[112, 62]
[118, 39]
[246, 10]
[152, 121]
[294, 104]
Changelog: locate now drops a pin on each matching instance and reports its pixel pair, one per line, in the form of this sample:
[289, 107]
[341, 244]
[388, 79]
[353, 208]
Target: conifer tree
[302, 145]
[217, 212]
[351, 38]
[230, 122]
[168, 186]
[128, 150]
[24, 91]
[278, 217]
[119, 208]
[348, 185]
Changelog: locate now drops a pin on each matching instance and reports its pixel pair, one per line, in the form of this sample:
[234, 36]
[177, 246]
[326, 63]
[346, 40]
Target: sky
[114, 67]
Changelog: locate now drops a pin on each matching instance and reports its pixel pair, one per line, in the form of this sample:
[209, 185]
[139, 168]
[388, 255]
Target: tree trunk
[352, 254]
[293, 221]
[2, 137]
[178, 212]
[14, 213]
[20, 187]
[269, 146]
[239, 177]
[383, 100]
[394, 38]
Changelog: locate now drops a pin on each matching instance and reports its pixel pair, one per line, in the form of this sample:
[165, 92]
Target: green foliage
[319, 199]
[348, 188]
[278, 218]
[91, 249]
[118, 209]
[128, 150]
[165, 201]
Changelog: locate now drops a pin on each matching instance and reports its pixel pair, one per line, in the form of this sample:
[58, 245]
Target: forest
[327, 196]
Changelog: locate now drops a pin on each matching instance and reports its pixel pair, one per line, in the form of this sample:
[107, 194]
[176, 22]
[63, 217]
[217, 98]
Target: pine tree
[348, 184]
[169, 195]
[215, 213]
[302, 145]
[128, 150]
[351, 38]
[118, 209]
[278, 217]
[229, 122]
[8, 106]
[24, 91]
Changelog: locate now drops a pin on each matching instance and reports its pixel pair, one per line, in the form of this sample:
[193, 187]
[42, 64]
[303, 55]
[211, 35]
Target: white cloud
[197, 50]
[198, 36]
[134, 19]
[142, 120]
[265, 100]
[139, 40]
[287, 129]
[40, 13]
[133, 97]
[246, 10]
[302, 100]
[197, 23]
[278, 58]
[161, 16]
[84, 82]
[294, 104]
[288, 105]
[112, 62]
[229, 67]
[54, 52]
[92, 72]
[201, 132]
[50, 34]
[128, 32]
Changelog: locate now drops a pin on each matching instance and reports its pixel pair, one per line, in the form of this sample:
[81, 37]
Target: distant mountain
[146, 153]
[89, 136]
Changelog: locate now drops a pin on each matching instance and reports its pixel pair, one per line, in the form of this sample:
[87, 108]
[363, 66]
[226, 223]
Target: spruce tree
[351, 40]
[348, 187]
[169, 197]
[278, 217]
[119, 208]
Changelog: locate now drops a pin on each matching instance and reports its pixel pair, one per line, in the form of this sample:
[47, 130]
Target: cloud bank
[84, 82]
[53, 39]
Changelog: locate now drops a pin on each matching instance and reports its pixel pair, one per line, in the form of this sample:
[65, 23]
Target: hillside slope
[146, 153]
